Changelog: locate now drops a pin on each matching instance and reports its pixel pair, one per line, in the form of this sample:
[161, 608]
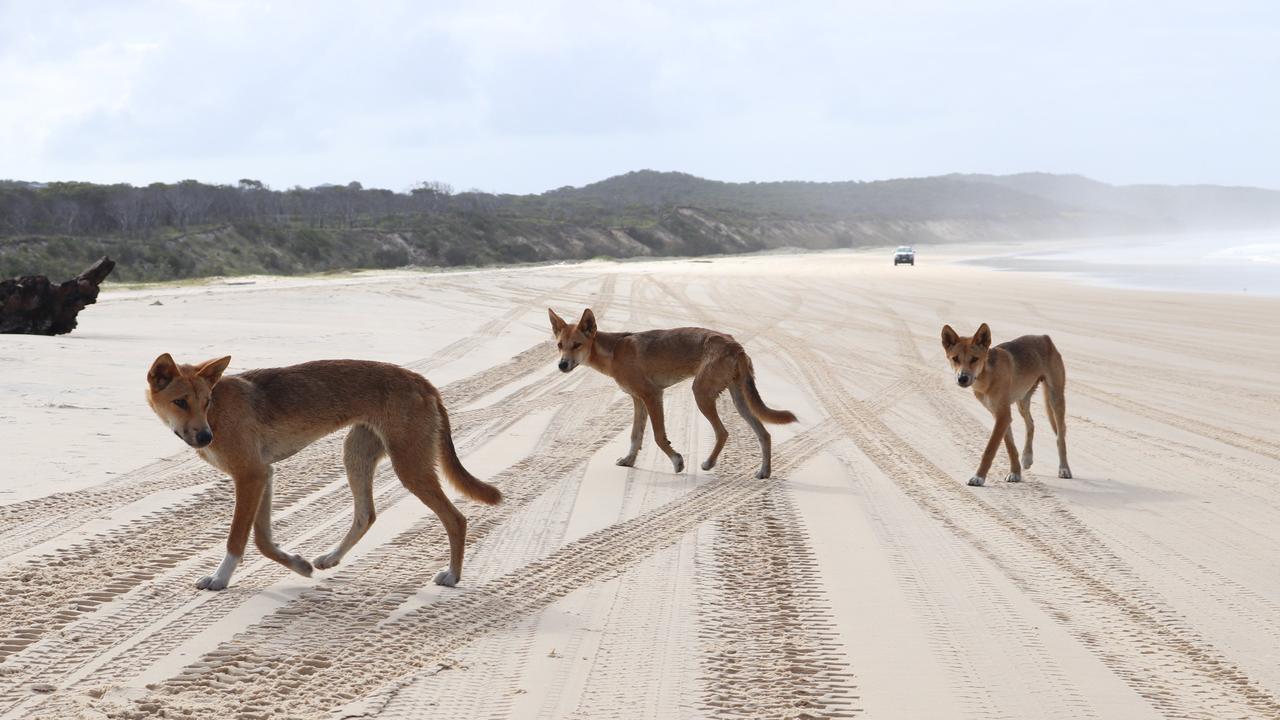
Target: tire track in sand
[942, 586]
[638, 662]
[495, 665]
[953, 642]
[309, 528]
[49, 593]
[389, 575]
[1230, 596]
[28, 523]
[636, 607]
[494, 328]
[1057, 560]
[386, 576]
[770, 648]
[1196, 426]
[336, 643]
[1232, 438]
[330, 502]
[489, 680]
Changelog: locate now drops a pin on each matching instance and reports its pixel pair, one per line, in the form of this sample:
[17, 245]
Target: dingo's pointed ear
[557, 322]
[162, 372]
[587, 324]
[983, 336]
[949, 337]
[212, 370]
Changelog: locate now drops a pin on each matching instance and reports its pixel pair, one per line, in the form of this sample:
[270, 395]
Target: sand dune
[865, 578]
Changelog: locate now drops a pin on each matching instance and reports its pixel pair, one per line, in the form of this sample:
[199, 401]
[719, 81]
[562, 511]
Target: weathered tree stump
[34, 306]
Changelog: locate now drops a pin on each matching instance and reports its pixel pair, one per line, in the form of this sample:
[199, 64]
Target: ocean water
[1216, 263]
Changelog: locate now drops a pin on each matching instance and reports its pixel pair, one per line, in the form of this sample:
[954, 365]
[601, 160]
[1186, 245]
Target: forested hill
[987, 197]
[190, 229]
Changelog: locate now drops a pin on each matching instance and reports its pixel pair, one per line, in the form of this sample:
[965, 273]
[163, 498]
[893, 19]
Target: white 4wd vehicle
[904, 254]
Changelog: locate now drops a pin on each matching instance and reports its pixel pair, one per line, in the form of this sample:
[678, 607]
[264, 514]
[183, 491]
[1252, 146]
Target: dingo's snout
[199, 439]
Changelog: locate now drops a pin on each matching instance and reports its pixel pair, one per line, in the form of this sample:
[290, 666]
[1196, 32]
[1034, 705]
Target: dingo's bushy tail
[747, 381]
[470, 485]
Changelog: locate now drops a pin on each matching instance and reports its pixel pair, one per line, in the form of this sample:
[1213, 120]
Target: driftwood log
[34, 306]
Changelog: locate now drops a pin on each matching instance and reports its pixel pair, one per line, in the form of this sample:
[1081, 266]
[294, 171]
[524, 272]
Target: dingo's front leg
[250, 486]
[1003, 418]
[639, 415]
[220, 577]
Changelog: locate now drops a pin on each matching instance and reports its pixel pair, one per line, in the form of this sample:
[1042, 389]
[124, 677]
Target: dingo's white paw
[299, 564]
[764, 472]
[1027, 458]
[708, 464]
[627, 461]
[1064, 472]
[677, 462]
[977, 481]
[211, 582]
[327, 560]
[1013, 477]
[222, 576]
[446, 578]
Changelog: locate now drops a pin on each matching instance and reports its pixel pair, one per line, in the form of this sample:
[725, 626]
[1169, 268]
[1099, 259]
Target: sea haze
[1212, 262]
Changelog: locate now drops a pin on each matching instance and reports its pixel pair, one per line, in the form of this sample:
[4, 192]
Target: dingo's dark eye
[181, 402]
[559, 346]
[577, 345]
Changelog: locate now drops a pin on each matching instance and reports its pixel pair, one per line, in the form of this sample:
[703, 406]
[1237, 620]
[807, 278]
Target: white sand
[864, 578]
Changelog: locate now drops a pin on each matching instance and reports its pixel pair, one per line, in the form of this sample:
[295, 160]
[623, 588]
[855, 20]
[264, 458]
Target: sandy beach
[864, 579]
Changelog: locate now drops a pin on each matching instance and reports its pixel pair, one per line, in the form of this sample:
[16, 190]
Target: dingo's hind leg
[1015, 468]
[414, 463]
[653, 404]
[266, 544]
[361, 452]
[1024, 409]
[1055, 399]
[705, 393]
[766, 441]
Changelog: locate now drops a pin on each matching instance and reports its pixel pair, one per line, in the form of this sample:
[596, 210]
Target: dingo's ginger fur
[644, 364]
[1003, 375]
[242, 424]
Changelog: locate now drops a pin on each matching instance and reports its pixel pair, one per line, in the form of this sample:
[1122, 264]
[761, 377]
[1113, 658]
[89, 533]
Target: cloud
[514, 96]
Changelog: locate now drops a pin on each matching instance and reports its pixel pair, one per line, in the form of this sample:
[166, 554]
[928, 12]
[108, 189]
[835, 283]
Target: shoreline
[1074, 260]
[1211, 265]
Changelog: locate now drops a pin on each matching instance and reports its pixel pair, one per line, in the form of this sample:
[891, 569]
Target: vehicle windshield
[905, 249]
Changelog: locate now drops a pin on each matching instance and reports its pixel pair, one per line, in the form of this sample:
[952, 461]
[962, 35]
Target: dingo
[1006, 374]
[241, 424]
[646, 363]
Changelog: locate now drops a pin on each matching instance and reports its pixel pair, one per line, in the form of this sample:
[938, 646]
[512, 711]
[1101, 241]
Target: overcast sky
[524, 96]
